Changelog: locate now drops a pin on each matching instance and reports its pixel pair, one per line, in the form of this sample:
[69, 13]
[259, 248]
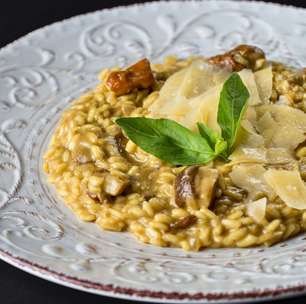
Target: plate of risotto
[150, 155]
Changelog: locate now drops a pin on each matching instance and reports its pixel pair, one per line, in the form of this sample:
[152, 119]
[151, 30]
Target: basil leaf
[216, 142]
[208, 134]
[232, 105]
[167, 140]
[220, 148]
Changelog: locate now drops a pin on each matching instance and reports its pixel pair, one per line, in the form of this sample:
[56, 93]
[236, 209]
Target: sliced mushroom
[96, 197]
[184, 187]
[241, 57]
[115, 185]
[204, 184]
[120, 143]
[81, 155]
[197, 183]
[184, 222]
[137, 76]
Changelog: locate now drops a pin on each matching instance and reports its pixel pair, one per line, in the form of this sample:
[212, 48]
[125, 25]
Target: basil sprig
[167, 140]
[177, 145]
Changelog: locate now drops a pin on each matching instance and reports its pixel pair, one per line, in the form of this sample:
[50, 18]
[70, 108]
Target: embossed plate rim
[146, 295]
[28, 35]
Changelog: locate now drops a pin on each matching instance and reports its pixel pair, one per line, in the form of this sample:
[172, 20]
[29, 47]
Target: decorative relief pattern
[10, 164]
[27, 83]
[61, 61]
[117, 39]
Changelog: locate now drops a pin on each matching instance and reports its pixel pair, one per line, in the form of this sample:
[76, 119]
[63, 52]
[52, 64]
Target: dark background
[17, 18]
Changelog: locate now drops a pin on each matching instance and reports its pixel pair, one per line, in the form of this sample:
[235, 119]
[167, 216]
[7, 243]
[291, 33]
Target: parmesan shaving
[199, 78]
[250, 146]
[192, 95]
[257, 209]
[248, 155]
[204, 109]
[281, 126]
[250, 177]
[168, 96]
[278, 156]
[248, 78]
[289, 186]
[264, 82]
[177, 94]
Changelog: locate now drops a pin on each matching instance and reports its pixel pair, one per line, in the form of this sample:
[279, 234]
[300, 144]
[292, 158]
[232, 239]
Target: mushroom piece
[98, 197]
[184, 222]
[114, 185]
[81, 155]
[120, 143]
[137, 76]
[198, 183]
[241, 57]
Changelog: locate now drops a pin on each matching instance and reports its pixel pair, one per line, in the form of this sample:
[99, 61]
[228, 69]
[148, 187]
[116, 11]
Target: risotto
[254, 196]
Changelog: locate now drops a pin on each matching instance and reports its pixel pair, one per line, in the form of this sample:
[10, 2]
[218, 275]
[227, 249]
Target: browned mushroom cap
[241, 57]
[137, 76]
[196, 182]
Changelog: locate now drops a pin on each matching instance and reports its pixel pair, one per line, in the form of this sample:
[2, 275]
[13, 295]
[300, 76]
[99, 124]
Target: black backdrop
[17, 18]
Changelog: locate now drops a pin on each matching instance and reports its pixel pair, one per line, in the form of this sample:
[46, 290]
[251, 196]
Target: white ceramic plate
[42, 72]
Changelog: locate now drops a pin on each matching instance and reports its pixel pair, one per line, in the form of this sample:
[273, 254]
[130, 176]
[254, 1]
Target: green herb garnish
[167, 140]
[232, 105]
[173, 143]
[215, 140]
